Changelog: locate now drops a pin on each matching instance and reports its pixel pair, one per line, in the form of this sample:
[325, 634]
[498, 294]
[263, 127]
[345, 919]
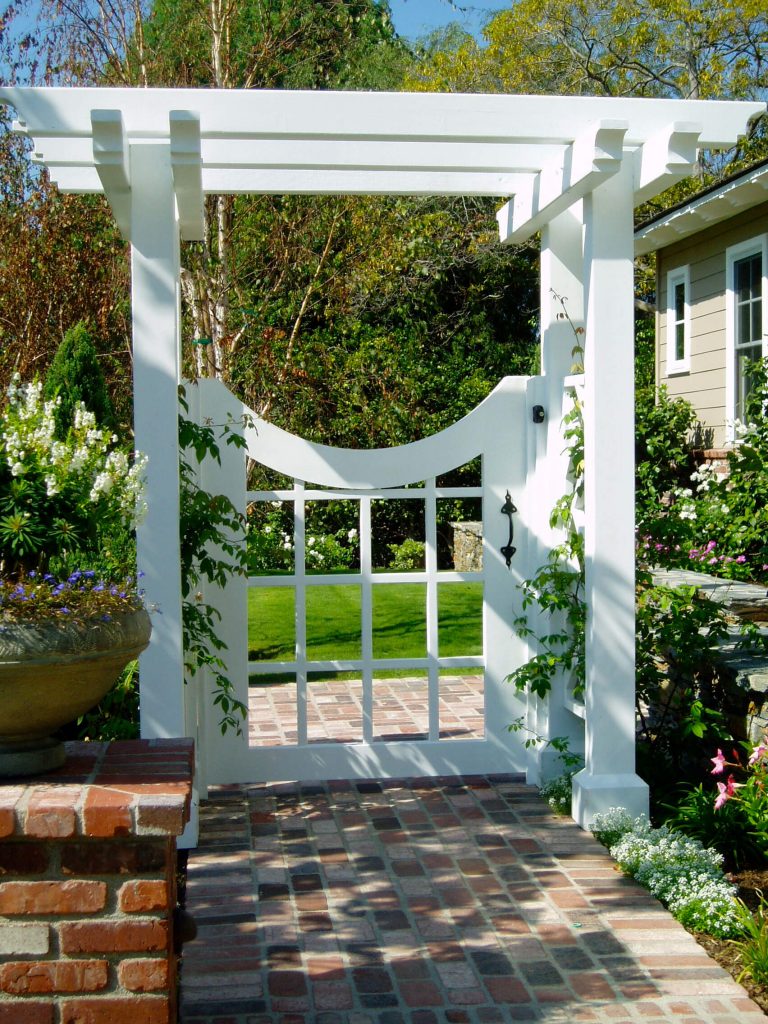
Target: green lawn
[333, 621]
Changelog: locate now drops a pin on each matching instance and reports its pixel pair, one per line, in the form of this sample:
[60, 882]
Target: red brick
[24, 858]
[18, 1012]
[113, 936]
[116, 858]
[143, 975]
[420, 993]
[9, 798]
[37, 976]
[141, 1010]
[51, 812]
[287, 983]
[163, 814]
[507, 990]
[73, 897]
[143, 896]
[591, 986]
[107, 812]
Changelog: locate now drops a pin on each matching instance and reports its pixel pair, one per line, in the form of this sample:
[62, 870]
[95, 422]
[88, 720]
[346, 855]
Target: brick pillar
[88, 886]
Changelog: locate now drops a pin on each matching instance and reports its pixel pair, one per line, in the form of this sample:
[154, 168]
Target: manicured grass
[333, 621]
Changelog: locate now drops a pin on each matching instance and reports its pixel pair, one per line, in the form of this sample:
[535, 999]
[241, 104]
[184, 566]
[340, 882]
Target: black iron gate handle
[508, 509]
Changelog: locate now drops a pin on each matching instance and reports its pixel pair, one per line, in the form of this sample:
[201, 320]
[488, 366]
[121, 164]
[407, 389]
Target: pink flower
[727, 790]
[758, 753]
[719, 763]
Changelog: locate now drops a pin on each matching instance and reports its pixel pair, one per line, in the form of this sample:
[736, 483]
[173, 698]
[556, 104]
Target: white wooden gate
[496, 432]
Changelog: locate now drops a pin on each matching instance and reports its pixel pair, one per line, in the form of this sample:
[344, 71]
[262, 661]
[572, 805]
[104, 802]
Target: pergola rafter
[546, 153]
[570, 167]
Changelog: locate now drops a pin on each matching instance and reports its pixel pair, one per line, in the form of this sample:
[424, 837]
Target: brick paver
[428, 901]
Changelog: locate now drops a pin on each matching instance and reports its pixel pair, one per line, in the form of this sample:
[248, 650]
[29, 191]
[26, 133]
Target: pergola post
[156, 344]
[608, 778]
[562, 289]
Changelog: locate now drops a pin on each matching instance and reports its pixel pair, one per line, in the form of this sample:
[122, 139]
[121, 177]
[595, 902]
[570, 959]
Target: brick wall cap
[129, 780]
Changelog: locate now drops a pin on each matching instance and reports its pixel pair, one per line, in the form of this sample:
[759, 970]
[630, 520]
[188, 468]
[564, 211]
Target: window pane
[744, 325]
[680, 301]
[680, 342]
[748, 287]
[757, 320]
[743, 278]
[743, 360]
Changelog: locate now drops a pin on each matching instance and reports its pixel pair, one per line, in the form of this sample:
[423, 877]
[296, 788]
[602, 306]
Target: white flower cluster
[84, 459]
[608, 828]
[742, 430]
[684, 504]
[684, 875]
[704, 477]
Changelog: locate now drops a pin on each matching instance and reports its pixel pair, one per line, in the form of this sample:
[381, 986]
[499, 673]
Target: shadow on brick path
[427, 901]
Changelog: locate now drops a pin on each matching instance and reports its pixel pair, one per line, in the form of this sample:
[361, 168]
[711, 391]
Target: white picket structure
[497, 432]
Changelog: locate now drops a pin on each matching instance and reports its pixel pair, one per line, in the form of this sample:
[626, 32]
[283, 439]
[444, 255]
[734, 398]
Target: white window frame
[676, 277]
[751, 247]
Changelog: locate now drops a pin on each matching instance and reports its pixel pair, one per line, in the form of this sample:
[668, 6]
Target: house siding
[705, 253]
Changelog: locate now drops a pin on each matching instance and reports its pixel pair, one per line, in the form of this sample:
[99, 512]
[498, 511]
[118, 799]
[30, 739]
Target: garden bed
[752, 883]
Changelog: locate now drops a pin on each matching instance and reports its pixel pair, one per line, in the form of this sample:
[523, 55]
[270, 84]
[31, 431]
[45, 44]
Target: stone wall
[88, 885]
[468, 547]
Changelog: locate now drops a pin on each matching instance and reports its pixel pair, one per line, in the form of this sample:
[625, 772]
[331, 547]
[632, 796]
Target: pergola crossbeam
[594, 156]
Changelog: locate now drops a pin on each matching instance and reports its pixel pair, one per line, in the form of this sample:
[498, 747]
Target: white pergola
[572, 168]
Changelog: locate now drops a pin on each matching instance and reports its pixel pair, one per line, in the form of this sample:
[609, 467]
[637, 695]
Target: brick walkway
[335, 710]
[427, 902]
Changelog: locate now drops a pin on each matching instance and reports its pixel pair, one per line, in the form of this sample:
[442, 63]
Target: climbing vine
[212, 549]
[557, 587]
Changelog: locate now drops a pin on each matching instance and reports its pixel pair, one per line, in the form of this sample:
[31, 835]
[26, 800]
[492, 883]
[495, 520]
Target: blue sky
[414, 18]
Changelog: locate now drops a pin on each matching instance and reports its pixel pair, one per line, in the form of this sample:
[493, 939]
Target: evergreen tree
[76, 376]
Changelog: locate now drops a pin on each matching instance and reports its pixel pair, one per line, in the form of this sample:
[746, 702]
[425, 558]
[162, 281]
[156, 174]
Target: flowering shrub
[558, 792]
[749, 795]
[56, 496]
[617, 822]
[271, 542]
[712, 523]
[685, 876]
[726, 828]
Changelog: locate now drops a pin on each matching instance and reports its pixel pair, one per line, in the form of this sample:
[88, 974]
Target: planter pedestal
[52, 672]
[30, 757]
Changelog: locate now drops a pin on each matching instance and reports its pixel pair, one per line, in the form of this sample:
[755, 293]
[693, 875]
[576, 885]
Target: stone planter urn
[51, 672]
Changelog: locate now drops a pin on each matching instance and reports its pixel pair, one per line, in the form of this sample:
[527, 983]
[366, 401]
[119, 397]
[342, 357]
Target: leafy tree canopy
[664, 48]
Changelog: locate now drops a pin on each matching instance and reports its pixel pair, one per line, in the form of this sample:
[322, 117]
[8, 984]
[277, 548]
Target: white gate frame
[572, 167]
[365, 475]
